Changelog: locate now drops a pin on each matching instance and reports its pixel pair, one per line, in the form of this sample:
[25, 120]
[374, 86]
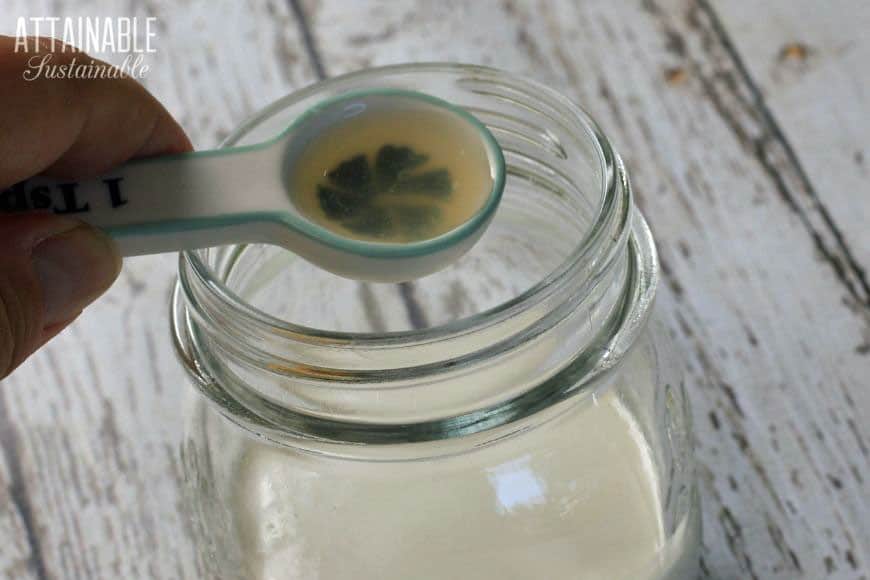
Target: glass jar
[514, 416]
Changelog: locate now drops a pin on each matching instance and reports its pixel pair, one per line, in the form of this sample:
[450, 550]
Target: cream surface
[587, 507]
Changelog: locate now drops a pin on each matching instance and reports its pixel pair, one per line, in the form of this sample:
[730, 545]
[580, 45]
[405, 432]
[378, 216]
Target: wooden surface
[745, 127]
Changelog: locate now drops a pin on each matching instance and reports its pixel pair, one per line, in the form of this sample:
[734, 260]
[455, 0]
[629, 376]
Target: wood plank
[810, 67]
[772, 333]
[89, 485]
[15, 549]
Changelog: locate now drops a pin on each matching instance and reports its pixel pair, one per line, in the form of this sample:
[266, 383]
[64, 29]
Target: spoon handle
[169, 203]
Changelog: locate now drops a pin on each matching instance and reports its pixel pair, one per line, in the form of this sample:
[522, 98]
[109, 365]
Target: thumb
[50, 269]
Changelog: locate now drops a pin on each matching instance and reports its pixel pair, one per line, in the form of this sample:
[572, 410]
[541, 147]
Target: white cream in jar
[493, 514]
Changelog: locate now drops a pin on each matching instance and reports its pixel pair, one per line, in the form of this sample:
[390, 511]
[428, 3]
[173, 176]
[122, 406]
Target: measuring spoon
[241, 195]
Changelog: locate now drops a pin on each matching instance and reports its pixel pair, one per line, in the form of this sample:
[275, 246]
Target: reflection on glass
[516, 485]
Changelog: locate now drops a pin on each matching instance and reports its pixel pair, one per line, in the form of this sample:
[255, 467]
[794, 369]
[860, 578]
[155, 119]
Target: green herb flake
[338, 204]
[354, 186]
[435, 183]
[354, 175]
[373, 221]
[392, 161]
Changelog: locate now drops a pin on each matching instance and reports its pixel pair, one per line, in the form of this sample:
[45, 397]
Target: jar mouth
[604, 237]
[560, 287]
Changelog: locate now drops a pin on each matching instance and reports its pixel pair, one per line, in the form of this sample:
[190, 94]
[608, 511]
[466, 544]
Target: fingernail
[74, 267]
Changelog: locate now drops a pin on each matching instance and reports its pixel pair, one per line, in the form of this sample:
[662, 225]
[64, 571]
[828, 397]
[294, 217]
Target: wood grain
[763, 242]
[808, 66]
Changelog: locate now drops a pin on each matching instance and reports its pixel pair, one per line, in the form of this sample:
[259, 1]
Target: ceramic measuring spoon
[241, 195]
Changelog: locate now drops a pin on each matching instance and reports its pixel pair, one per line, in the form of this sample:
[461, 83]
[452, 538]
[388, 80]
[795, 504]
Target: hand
[51, 267]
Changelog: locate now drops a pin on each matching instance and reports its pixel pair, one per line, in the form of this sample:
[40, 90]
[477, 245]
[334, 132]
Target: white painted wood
[810, 64]
[775, 338]
[15, 548]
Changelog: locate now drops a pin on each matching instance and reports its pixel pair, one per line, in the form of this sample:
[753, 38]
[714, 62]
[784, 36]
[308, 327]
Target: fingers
[75, 127]
[50, 269]
[53, 267]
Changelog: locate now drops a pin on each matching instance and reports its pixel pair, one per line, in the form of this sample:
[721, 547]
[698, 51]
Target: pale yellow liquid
[447, 140]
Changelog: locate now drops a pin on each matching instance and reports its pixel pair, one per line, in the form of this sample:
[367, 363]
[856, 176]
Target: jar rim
[611, 225]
